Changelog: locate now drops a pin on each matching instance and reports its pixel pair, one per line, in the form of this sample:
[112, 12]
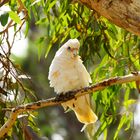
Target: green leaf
[128, 122]
[4, 19]
[41, 21]
[27, 29]
[112, 34]
[129, 102]
[102, 127]
[14, 16]
[35, 2]
[105, 134]
[122, 122]
[107, 49]
[49, 5]
[40, 46]
[48, 49]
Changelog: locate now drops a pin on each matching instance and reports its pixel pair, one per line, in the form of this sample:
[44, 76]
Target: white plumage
[68, 73]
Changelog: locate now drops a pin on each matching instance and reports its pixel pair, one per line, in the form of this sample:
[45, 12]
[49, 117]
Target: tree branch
[2, 2]
[135, 76]
[124, 13]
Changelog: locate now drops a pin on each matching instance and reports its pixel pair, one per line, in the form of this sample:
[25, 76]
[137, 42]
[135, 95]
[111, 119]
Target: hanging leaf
[27, 29]
[106, 47]
[122, 122]
[4, 19]
[40, 44]
[14, 16]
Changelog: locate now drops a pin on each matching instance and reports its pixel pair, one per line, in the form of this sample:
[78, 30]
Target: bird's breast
[66, 76]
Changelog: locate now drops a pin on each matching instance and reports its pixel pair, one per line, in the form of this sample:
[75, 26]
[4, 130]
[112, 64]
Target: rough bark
[124, 13]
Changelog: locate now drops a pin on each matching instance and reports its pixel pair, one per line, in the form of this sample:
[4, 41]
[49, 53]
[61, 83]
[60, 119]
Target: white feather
[67, 73]
[72, 75]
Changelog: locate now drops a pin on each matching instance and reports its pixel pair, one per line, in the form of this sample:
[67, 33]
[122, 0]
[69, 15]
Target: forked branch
[65, 97]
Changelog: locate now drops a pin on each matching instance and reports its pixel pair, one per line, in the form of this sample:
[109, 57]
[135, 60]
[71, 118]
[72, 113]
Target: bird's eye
[69, 48]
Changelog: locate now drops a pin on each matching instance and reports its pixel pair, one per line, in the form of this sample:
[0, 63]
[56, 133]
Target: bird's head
[70, 49]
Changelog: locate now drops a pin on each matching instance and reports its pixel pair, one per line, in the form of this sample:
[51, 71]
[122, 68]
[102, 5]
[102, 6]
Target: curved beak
[75, 52]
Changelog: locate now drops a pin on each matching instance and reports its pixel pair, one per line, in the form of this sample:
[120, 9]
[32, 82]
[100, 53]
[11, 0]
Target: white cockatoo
[67, 73]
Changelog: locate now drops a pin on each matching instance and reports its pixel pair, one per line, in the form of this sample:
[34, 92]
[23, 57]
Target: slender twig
[20, 9]
[17, 32]
[2, 2]
[135, 76]
[7, 27]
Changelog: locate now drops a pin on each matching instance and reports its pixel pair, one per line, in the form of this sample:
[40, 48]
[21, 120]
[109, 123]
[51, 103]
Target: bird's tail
[81, 107]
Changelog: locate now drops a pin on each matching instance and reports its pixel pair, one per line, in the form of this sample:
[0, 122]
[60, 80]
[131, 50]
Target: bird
[67, 73]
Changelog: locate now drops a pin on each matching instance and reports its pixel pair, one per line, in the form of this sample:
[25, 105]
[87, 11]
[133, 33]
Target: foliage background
[106, 51]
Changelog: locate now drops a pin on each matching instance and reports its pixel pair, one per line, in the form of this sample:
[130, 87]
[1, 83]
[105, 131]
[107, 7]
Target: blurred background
[106, 51]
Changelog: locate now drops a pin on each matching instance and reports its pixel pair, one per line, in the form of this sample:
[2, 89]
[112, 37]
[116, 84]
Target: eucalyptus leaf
[4, 19]
[15, 17]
